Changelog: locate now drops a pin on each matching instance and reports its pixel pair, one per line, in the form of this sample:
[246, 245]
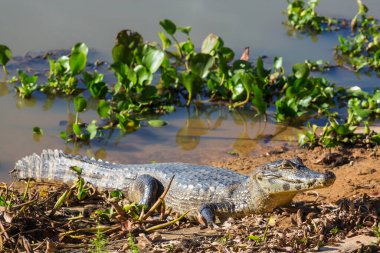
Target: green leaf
[185, 29]
[200, 64]
[80, 48]
[301, 70]
[277, 62]
[191, 82]
[76, 129]
[38, 130]
[357, 91]
[237, 91]
[168, 26]
[92, 129]
[127, 43]
[144, 76]
[258, 99]
[80, 103]
[261, 72]
[5, 54]
[78, 58]
[157, 123]
[209, 43]
[152, 58]
[166, 43]
[77, 169]
[104, 108]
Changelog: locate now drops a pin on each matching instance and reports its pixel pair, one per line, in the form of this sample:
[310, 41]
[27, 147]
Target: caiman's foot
[206, 217]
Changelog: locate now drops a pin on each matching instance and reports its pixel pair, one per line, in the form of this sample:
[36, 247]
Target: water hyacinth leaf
[227, 54]
[152, 58]
[277, 62]
[80, 48]
[104, 108]
[157, 123]
[258, 99]
[361, 113]
[356, 91]
[148, 92]
[209, 43]
[126, 44]
[76, 129]
[166, 43]
[261, 72]
[168, 26]
[237, 91]
[78, 58]
[5, 56]
[301, 70]
[376, 97]
[62, 65]
[187, 46]
[98, 90]
[184, 29]
[143, 75]
[38, 130]
[92, 129]
[80, 103]
[200, 64]
[191, 82]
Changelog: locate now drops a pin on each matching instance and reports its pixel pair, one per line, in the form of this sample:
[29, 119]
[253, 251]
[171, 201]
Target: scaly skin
[205, 190]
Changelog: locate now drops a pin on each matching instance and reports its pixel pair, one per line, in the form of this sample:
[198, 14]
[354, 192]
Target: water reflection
[242, 130]
[3, 89]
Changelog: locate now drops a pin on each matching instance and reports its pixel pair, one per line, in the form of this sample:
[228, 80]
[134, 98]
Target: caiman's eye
[286, 164]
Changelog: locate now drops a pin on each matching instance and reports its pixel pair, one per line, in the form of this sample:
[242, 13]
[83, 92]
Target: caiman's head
[285, 178]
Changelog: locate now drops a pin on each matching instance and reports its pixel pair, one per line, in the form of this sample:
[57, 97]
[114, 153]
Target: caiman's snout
[328, 178]
[291, 176]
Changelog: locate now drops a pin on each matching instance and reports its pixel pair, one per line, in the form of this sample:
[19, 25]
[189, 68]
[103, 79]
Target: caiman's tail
[43, 167]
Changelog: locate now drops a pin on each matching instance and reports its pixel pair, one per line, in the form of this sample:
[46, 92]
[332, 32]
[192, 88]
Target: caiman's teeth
[106, 162]
[93, 159]
[100, 160]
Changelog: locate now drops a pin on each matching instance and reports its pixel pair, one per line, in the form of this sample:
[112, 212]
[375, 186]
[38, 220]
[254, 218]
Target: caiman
[203, 190]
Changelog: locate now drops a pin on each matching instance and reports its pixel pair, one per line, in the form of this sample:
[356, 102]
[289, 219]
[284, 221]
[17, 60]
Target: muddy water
[192, 135]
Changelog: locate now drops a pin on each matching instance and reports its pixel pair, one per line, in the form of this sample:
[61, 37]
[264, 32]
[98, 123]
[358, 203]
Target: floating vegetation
[304, 18]
[362, 49]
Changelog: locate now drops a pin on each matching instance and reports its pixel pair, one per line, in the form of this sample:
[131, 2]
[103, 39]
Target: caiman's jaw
[290, 176]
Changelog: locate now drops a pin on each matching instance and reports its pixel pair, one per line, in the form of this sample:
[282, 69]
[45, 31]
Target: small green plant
[63, 71]
[376, 230]
[335, 230]
[28, 84]
[99, 243]
[132, 246]
[303, 17]
[5, 56]
[80, 132]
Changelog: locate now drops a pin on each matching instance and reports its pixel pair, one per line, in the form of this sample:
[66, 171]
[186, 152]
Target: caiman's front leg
[144, 190]
[208, 212]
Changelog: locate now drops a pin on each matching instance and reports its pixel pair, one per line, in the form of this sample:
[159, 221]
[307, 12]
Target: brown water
[192, 136]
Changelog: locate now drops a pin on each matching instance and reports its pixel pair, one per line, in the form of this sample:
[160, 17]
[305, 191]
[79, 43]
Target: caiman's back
[192, 184]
